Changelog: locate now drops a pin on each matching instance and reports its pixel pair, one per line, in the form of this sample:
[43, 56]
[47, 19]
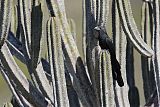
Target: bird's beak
[97, 28]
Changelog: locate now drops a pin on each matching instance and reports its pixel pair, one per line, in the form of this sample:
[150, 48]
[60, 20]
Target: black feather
[106, 43]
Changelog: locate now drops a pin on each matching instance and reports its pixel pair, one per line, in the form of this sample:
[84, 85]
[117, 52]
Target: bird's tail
[117, 72]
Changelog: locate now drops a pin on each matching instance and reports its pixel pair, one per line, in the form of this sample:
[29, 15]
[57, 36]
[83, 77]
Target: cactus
[59, 77]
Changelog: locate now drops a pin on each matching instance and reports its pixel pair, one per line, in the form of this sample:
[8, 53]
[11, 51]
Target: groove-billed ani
[106, 43]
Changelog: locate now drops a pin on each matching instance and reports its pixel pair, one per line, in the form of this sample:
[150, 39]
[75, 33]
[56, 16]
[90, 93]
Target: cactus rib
[25, 86]
[5, 13]
[107, 92]
[58, 74]
[12, 88]
[155, 46]
[131, 29]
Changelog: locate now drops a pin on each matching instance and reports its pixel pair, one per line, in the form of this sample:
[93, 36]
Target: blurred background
[74, 11]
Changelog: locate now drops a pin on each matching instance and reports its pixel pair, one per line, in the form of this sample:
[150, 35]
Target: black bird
[106, 43]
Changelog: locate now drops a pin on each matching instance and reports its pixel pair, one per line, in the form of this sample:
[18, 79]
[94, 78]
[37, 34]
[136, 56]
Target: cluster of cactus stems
[39, 34]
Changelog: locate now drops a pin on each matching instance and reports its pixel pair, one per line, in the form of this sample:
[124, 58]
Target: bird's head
[96, 32]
